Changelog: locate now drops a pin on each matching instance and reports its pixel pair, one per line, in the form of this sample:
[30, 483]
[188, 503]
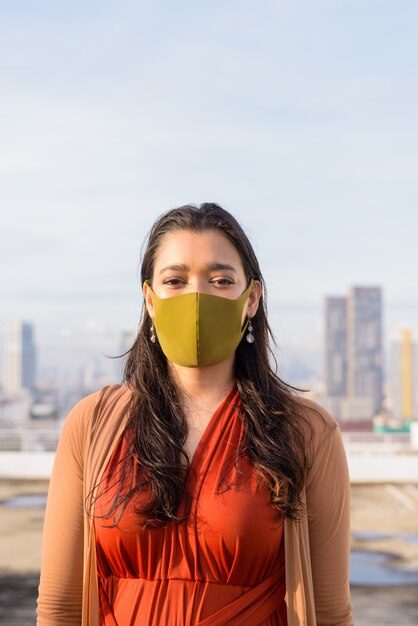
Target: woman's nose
[199, 284]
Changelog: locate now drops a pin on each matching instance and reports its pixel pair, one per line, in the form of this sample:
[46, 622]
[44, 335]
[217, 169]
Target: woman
[203, 491]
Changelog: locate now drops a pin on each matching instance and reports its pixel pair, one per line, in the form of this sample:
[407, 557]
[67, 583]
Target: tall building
[365, 346]
[353, 361]
[404, 375]
[20, 358]
[335, 366]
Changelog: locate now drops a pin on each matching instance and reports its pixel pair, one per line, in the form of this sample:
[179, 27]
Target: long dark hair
[273, 439]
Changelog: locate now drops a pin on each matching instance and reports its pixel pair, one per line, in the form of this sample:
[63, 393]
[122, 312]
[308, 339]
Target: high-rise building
[353, 363]
[365, 349]
[335, 373]
[20, 358]
[404, 375]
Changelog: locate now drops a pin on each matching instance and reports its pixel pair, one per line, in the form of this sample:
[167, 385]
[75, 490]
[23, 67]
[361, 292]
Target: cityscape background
[353, 386]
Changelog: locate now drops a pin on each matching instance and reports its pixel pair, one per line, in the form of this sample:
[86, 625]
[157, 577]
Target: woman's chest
[232, 535]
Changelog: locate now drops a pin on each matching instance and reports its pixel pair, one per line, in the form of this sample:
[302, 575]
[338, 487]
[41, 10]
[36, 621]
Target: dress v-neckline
[210, 426]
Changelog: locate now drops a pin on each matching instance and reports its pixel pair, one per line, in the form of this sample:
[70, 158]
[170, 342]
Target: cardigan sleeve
[328, 506]
[61, 581]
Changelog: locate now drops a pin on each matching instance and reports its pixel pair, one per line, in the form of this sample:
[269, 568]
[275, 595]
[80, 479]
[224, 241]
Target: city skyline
[71, 352]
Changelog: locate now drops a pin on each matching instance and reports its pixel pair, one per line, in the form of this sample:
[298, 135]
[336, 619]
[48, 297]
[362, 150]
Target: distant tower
[20, 358]
[365, 351]
[404, 375]
[336, 346]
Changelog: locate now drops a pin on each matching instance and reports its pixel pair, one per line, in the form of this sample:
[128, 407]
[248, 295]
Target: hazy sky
[300, 117]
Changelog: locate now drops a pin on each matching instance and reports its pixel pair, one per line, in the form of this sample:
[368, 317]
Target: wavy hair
[273, 438]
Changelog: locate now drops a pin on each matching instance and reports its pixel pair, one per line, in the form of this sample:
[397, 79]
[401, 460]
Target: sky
[299, 117]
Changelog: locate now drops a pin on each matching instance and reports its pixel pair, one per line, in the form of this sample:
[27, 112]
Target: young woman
[203, 491]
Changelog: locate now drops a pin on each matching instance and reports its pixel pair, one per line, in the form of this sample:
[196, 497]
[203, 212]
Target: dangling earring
[153, 337]
[250, 336]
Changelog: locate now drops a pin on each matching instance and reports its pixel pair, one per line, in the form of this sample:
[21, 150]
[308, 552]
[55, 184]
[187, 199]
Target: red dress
[224, 566]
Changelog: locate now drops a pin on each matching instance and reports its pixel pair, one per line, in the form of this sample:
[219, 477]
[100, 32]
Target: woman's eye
[223, 281]
[172, 281]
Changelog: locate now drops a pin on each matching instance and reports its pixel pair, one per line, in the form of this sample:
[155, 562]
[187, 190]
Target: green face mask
[198, 329]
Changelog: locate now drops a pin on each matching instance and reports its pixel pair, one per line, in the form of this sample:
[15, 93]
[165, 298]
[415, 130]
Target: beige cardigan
[316, 548]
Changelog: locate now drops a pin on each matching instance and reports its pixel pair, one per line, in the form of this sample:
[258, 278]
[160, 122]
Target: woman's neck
[203, 384]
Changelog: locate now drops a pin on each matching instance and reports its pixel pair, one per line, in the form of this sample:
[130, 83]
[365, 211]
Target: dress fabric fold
[223, 566]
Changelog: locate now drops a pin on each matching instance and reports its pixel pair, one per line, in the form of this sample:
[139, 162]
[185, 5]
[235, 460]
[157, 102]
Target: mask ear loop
[250, 336]
[247, 322]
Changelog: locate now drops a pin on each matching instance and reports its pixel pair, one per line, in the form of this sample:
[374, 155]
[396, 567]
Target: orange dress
[224, 566]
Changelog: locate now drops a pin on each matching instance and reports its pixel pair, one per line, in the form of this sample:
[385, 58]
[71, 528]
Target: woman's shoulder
[316, 413]
[112, 394]
[95, 418]
[316, 422]
[109, 393]
[99, 403]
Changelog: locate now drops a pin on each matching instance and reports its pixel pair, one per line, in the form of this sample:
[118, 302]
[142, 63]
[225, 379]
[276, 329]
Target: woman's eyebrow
[212, 267]
[175, 268]
[221, 266]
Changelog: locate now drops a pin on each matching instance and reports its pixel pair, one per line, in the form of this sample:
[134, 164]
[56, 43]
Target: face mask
[198, 329]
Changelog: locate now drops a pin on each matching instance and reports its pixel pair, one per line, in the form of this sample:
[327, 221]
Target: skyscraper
[353, 363]
[404, 375]
[20, 357]
[336, 346]
[365, 351]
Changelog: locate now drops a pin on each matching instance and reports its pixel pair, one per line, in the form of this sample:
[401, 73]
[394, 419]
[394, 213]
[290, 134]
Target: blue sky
[299, 117]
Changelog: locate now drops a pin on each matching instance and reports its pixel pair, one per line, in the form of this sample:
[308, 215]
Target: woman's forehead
[182, 247]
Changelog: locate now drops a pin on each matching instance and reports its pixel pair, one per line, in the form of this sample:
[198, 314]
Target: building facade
[404, 375]
[365, 344]
[20, 358]
[353, 353]
[335, 367]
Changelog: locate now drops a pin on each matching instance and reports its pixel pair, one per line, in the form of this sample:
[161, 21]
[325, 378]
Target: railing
[30, 438]
[379, 444]
[27, 452]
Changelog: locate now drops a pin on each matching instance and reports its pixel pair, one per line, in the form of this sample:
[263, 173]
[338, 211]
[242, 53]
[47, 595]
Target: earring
[250, 336]
[153, 337]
